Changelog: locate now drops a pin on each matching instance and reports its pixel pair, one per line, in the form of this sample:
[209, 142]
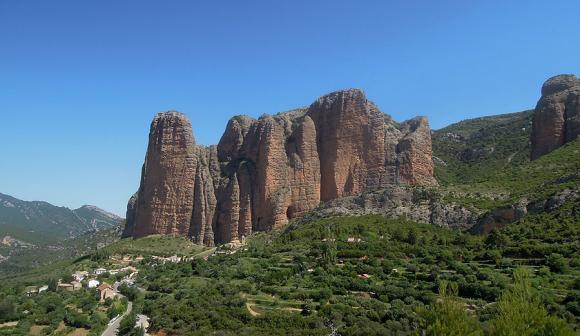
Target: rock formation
[557, 115]
[422, 205]
[266, 171]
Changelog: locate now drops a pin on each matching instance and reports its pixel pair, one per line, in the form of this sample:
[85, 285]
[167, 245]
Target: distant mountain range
[42, 222]
[37, 233]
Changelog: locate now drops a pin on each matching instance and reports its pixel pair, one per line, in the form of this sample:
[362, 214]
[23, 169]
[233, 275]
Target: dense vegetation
[534, 181]
[56, 311]
[311, 279]
[28, 259]
[474, 150]
[358, 275]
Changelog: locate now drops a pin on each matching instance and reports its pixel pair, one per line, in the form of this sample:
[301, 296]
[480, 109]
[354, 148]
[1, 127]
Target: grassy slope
[147, 246]
[155, 245]
[534, 180]
[32, 260]
[474, 149]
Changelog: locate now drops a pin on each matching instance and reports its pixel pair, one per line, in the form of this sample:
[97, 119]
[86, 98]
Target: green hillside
[357, 275]
[24, 259]
[535, 180]
[159, 245]
[473, 150]
[368, 276]
[41, 222]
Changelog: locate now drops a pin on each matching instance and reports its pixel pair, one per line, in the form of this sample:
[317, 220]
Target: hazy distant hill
[41, 222]
[37, 233]
[474, 149]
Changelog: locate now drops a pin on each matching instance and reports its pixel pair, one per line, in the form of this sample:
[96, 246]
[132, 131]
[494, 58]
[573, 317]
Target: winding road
[113, 328]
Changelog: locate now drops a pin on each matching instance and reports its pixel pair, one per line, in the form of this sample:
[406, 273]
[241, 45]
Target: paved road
[113, 328]
[143, 321]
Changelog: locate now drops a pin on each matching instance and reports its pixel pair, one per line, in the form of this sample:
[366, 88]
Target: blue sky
[81, 80]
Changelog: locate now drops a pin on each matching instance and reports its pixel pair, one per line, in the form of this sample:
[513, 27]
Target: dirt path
[252, 311]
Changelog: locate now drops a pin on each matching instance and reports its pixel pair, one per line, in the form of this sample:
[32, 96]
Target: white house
[100, 271]
[93, 283]
[42, 288]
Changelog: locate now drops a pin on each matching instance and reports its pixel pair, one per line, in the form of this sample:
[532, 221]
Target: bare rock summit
[557, 115]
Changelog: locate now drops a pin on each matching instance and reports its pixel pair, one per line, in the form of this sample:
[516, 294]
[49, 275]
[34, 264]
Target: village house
[100, 271]
[80, 275]
[42, 288]
[106, 291]
[76, 285]
[31, 290]
[66, 286]
[93, 283]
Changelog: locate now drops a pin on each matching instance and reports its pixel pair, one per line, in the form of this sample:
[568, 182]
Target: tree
[130, 292]
[7, 309]
[411, 236]
[127, 325]
[52, 284]
[66, 278]
[497, 239]
[520, 312]
[448, 316]
[557, 263]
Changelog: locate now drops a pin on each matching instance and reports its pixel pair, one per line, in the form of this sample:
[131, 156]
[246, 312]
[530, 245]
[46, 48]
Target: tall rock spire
[165, 197]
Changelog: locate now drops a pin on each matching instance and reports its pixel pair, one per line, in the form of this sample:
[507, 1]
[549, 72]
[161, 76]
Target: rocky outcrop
[130, 217]
[416, 204]
[266, 171]
[557, 115]
[503, 216]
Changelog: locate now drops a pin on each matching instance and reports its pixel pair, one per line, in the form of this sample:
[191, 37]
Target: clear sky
[81, 80]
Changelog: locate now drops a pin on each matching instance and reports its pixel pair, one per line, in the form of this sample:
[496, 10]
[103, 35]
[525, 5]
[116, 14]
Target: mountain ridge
[40, 220]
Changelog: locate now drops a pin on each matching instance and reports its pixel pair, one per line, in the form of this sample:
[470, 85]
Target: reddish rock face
[415, 153]
[557, 115]
[264, 172]
[165, 197]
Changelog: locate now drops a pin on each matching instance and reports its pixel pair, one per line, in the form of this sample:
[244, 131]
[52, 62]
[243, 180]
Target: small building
[128, 269]
[31, 290]
[66, 286]
[99, 271]
[80, 275]
[76, 285]
[93, 283]
[364, 276]
[106, 291]
[42, 288]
